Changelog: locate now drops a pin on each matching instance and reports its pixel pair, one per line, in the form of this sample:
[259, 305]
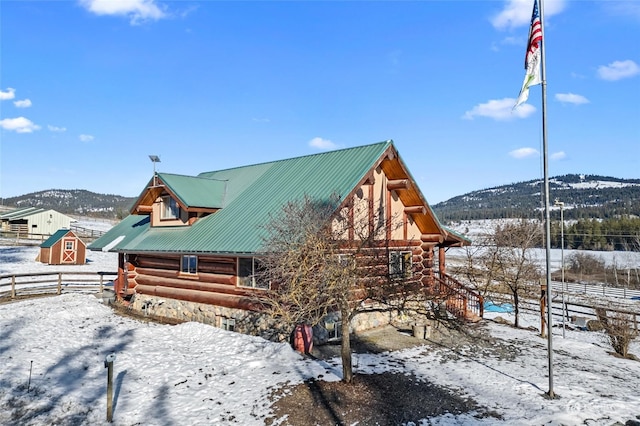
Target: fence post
[13, 286]
[101, 285]
[59, 282]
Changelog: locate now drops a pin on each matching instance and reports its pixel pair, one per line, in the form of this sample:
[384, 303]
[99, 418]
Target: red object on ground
[303, 338]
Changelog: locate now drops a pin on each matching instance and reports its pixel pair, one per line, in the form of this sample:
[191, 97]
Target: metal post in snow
[545, 167]
[108, 363]
[29, 383]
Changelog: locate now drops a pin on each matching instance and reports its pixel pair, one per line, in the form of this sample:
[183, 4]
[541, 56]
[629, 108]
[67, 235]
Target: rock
[501, 320]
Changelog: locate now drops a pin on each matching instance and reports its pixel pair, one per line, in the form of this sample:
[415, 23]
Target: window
[169, 208]
[189, 264]
[400, 264]
[228, 324]
[334, 329]
[247, 269]
[346, 260]
[69, 245]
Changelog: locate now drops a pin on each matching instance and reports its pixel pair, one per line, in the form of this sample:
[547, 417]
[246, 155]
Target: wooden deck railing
[17, 285]
[462, 301]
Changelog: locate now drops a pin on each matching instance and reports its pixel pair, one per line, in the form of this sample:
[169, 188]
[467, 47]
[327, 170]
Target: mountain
[75, 201]
[584, 196]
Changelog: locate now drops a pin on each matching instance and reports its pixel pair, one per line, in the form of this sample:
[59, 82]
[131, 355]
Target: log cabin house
[190, 246]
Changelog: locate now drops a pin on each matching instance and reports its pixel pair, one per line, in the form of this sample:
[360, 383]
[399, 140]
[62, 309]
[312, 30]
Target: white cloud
[86, 138]
[517, 13]
[25, 103]
[9, 94]
[628, 9]
[560, 155]
[56, 129]
[571, 98]
[320, 143]
[500, 109]
[19, 125]
[136, 10]
[618, 70]
[508, 41]
[523, 153]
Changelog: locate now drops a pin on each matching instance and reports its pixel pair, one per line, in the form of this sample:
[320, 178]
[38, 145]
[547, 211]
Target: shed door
[69, 250]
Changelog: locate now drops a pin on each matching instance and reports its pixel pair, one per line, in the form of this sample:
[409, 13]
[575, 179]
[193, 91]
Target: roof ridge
[387, 142]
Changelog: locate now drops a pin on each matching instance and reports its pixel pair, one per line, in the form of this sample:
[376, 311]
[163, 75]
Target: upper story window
[189, 264]
[248, 267]
[400, 263]
[169, 208]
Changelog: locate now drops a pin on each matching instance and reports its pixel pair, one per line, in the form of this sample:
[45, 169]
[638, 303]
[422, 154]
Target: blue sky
[90, 88]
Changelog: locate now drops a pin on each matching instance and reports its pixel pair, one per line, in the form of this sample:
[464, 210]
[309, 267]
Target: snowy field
[194, 374]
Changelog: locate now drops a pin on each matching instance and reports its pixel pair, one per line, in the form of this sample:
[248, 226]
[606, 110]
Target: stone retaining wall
[255, 323]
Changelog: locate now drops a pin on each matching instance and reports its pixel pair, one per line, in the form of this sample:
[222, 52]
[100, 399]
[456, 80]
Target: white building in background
[34, 221]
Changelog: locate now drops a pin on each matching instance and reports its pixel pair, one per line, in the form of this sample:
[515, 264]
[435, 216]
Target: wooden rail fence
[576, 314]
[39, 283]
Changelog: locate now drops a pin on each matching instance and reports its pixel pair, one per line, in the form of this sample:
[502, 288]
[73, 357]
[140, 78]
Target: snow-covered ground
[22, 259]
[194, 374]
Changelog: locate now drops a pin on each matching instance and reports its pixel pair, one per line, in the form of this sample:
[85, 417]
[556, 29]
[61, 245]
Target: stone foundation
[255, 323]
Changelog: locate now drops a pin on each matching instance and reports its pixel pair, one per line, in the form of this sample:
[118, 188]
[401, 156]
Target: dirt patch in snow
[388, 398]
[372, 399]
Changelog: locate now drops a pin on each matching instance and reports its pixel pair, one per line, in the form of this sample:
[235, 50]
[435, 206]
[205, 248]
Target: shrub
[585, 263]
[620, 328]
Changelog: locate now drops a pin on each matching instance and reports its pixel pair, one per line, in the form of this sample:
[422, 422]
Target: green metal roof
[252, 194]
[54, 238]
[122, 234]
[196, 191]
[21, 213]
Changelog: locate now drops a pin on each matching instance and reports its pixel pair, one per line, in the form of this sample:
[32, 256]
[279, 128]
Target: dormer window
[169, 208]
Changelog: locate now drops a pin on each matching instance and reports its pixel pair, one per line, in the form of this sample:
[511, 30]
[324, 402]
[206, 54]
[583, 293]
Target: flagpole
[547, 239]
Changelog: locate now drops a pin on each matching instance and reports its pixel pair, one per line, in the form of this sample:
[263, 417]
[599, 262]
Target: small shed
[63, 248]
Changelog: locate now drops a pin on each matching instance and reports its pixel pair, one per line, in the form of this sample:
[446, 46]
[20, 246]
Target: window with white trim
[228, 324]
[189, 264]
[169, 209]
[248, 268]
[69, 245]
[334, 329]
[400, 263]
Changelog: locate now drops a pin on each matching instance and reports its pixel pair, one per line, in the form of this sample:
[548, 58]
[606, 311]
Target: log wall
[215, 282]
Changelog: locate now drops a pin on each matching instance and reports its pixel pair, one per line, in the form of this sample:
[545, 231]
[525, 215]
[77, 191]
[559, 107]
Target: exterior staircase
[462, 301]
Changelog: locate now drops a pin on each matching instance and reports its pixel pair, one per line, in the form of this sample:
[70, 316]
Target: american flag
[532, 58]
[535, 35]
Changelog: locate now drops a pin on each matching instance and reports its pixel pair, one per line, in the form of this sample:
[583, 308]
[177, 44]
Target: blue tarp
[502, 307]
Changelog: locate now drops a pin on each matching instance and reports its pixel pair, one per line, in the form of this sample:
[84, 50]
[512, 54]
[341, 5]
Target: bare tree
[320, 259]
[515, 267]
[480, 265]
[502, 262]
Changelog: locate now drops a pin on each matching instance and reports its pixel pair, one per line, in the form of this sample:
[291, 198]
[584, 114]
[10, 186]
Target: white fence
[14, 286]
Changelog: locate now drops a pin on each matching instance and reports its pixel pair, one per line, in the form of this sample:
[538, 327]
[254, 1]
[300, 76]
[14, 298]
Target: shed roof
[58, 235]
